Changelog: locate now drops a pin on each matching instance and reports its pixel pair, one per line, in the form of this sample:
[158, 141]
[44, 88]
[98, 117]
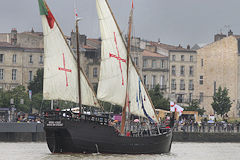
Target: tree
[21, 99]
[157, 98]
[5, 97]
[221, 102]
[37, 84]
[194, 106]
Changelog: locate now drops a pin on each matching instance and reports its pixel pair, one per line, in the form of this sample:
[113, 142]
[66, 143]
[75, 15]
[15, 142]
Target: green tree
[37, 84]
[221, 102]
[157, 98]
[5, 97]
[20, 97]
[194, 106]
[112, 108]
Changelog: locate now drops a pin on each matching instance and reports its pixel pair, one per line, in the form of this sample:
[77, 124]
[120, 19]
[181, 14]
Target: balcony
[163, 87]
[173, 86]
[191, 87]
[182, 86]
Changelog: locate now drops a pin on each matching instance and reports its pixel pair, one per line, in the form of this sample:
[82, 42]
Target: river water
[180, 151]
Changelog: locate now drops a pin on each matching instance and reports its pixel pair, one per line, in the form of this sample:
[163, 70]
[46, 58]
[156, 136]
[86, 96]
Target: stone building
[155, 70]
[18, 65]
[218, 64]
[178, 73]
[182, 74]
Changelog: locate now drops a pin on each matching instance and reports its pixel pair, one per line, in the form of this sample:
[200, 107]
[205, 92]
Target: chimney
[14, 36]
[218, 37]
[230, 33]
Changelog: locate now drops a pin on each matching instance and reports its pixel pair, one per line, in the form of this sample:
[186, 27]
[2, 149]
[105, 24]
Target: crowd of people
[206, 126]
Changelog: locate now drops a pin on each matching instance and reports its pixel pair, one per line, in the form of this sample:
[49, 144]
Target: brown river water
[180, 151]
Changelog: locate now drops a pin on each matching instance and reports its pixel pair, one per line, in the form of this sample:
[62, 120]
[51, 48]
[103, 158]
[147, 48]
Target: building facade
[20, 58]
[218, 64]
[182, 75]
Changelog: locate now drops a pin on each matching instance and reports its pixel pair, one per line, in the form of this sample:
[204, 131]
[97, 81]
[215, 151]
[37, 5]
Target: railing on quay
[208, 128]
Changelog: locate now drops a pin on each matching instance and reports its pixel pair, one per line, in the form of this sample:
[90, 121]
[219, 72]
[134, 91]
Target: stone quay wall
[33, 132]
[206, 137]
[21, 132]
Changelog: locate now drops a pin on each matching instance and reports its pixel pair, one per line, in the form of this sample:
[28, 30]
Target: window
[144, 63]
[41, 59]
[174, 70]
[162, 64]
[182, 71]
[180, 98]
[201, 97]
[14, 74]
[30, 59]
[182, 57]
[1, 58]
[14, 58]
[201, 62]
[30, 76]
[191, 58]
[173, 57]
[173, 84]
[190, 97]
[162, 82]
[201, 80]
[154, 64]
[1, 74]
[182, 84]
[136, 61]
[145, 80]
[153, 81]
[95, 72]
[191, 71]
[191, 85]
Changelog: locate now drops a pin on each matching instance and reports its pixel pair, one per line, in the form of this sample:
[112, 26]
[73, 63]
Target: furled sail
[60, 65]
[113, 69]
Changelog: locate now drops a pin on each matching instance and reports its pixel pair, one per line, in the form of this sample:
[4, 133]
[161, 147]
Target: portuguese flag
[44, 10]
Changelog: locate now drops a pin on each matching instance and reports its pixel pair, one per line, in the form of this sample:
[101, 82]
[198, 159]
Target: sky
[174, 22]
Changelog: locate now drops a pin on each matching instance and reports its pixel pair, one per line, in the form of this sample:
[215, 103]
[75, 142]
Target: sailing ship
[119, 83]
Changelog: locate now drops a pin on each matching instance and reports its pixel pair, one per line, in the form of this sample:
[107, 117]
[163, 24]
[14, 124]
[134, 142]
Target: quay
[33, 132]
[21, 132]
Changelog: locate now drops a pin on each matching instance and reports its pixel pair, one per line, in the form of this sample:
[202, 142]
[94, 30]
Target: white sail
[113, 69]
[60, 69]
[112, 80]
[140, 103]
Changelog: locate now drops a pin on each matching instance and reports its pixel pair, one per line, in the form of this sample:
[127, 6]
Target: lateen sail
[112, 82]
[60, 66]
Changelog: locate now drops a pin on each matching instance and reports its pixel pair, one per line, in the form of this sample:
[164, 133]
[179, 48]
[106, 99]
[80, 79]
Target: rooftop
[147, 53]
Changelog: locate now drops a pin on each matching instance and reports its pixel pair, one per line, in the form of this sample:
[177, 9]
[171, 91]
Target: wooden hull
[84, 136]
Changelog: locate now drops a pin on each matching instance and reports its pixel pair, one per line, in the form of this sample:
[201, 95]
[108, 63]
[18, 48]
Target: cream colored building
[155, 70]
[182, 75]
[218, 64]
[18, 65]
[21, 55]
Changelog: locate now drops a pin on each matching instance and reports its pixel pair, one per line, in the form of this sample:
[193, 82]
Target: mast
[128, 57]
[78, 69]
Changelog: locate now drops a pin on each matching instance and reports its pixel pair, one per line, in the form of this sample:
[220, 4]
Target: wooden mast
[128, 57]
[78, 66]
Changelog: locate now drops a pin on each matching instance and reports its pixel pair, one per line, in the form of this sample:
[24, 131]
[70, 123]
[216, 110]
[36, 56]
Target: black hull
[84, 136]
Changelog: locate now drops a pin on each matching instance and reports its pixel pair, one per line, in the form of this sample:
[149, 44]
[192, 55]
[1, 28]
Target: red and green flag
[44, 10]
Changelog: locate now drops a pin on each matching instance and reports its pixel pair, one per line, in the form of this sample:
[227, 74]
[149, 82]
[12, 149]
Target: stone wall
[205, 137]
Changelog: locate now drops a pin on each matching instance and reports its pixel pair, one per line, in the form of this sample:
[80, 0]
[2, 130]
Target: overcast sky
[173, 21]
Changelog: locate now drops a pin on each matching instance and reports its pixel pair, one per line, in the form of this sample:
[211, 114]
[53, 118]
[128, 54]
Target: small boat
[120, 83]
